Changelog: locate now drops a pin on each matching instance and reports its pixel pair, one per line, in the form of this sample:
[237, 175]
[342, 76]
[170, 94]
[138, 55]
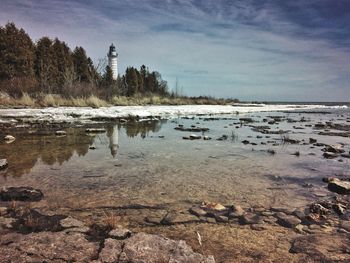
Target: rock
[245, 142]
[323, 247]
[92, 147]
[237, 211]
[312, 140]
[120, 233]
[70, 222]
[334, 148]
[330, 155]
[3, 164]
[338, 186]
[3, 210]
[47, 247]
[197, 211]
[152, 248]
[9, 138]
[154, 220]
[195, 137]
[345, 225]
[213, 206]
[250, 218]
[7, 222]
[95, 130]
[206, 138]
[222, 138]
[287, 220]
[340, 209]
[345, 155]
[221, 219]
[285, 210]
[173, 218]
[61, 133]
[28, 194]
[258, 227]
[111, 251]
[83, 230]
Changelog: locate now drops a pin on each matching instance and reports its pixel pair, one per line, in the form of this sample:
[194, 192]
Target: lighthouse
[113, 61]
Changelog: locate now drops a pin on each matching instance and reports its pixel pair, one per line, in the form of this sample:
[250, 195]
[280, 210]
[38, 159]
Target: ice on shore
[86, 113]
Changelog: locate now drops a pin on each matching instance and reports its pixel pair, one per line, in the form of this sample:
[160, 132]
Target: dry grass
[56, 100]
[110, 220]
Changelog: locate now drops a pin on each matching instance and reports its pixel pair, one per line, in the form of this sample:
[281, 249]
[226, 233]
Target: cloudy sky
[248, 49]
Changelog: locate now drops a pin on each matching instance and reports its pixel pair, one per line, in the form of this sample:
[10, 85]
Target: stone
[330, 155]
[197, 211]
[83, 229]
[28, 194]
[173, 218]
[250, 218]
[323, 247]
[213, 206]
[195, 137]
[312, 140]
[70, 222]
[7, 221]
[61, 133]
[221, 219]
[206, 138]
[339, 186]
[120, 233]
[152, 248]
[3, 210]
[9, 138]
[3, 164]
[47, 247]
[154, 220]
[258, 227]
[345, 225]
[111, 251]
[285, 210]
[95, 130]
[288, 221]
[237, 211]
[338, 148]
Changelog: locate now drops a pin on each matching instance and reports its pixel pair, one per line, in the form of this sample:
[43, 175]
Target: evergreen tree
[44, 65]
[16, 60]
[82, 65]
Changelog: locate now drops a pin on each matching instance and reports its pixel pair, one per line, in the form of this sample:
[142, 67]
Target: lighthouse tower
[113, 61]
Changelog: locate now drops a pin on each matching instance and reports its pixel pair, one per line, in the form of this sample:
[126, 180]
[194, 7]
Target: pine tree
[16, 60]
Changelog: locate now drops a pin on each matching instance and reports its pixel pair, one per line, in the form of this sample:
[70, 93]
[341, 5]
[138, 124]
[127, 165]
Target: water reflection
[143, 128]
[28, 149]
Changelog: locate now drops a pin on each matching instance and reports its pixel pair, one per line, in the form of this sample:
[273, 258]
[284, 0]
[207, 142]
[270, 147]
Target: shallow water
[147, 162]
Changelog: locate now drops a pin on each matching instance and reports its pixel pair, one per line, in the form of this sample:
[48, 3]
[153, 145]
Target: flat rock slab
[120, 233]
[178, 218]
[150, 248]
[3, 164]
[28, 194]
[287, 220]
[70, 222]
[47, 247]
[323, 247]
[339, 186]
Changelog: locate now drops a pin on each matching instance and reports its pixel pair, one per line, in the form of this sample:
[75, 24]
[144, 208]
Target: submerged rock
[149, 248]
[339, 186]
[47, 247]
[323, 247]
[61, 133]
[28, 194]
[9, 138]
[287, 220]
[3, 164]
[95, 130]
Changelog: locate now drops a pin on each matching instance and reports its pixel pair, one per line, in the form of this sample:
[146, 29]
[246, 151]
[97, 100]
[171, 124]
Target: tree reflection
[143, 128]
[24, 153]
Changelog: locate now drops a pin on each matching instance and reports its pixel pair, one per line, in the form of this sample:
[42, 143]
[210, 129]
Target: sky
[266, 50]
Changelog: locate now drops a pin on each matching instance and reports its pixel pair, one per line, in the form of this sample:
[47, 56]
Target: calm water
[148, 162]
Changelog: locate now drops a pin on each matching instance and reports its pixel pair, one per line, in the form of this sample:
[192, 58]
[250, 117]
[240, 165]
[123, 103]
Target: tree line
[51, 67]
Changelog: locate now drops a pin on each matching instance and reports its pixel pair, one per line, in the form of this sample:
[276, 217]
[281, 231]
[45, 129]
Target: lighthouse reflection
[132, 129]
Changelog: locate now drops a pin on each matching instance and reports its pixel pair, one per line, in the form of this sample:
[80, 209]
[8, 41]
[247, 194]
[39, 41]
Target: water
[148, 163]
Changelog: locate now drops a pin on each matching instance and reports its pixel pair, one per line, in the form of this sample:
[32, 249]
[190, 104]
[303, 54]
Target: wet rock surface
[20, 194]
[323, 247]
[3, 164]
